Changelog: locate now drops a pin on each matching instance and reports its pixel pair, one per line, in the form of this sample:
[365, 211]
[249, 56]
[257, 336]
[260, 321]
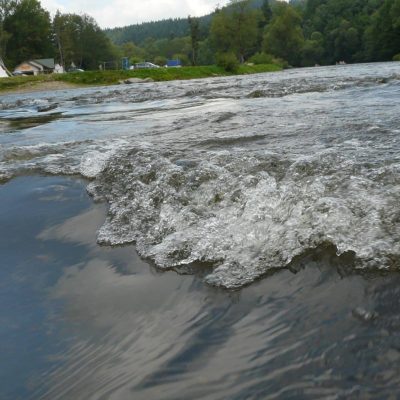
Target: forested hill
[167, 28]
[164, 29]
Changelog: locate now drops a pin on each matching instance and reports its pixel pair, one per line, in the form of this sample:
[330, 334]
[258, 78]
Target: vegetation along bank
[98, 78]
[256, 32]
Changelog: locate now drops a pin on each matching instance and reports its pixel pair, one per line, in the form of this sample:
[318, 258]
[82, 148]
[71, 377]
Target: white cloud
[126, 12]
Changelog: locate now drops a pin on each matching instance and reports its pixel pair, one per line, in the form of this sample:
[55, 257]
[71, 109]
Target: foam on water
[248, 214]
[260, 171]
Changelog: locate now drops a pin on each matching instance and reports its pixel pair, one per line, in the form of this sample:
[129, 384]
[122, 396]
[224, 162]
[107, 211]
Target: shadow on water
[33, 121]
[325, 254]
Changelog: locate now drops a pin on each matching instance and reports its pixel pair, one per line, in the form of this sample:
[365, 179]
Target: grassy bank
[23, 81]
[160, 74]
[113, 77]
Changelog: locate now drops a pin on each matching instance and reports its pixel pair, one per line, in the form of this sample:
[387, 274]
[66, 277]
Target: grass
[99, 78]
[159, 74]
[22, 81]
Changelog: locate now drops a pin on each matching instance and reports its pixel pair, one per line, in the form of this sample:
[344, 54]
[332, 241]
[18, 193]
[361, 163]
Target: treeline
[165, 29]
[350, 30]
[28, 32]
[301, 33]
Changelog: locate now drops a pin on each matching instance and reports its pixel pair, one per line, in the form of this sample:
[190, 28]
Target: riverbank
[26, 84]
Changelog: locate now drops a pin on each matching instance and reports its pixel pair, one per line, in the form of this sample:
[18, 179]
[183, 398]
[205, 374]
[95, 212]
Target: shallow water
[81, 321]
[292, 177]
[244, 173]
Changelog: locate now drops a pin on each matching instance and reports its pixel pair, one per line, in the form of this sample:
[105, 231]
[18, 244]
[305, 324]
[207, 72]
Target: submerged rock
[256, 94]
[46, 108]
[129, 81]
[364, 315]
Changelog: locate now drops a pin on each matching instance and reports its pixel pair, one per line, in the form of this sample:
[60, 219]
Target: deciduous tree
[194, 37]
[235, 29]
[81, 41]
[30, 28]
[284, 36]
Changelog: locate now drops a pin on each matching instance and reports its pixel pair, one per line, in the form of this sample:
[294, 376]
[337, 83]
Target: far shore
[38, 86]
[28, 84]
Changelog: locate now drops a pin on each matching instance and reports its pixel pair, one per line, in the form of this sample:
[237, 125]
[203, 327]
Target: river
[233, 237]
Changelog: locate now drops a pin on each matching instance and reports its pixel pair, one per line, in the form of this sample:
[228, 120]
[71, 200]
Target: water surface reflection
[89, 322]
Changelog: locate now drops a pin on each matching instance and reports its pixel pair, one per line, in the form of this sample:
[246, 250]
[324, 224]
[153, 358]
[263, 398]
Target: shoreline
[41, 83]
[43, 86]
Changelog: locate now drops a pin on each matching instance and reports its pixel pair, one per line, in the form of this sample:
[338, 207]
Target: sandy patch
[30, 87]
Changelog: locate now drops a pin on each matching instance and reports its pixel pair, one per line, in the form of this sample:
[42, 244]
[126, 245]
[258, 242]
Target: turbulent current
[241, 174]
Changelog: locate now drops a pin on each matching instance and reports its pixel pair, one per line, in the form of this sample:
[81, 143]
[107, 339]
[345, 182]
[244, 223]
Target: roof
[29, 66]
[46, 62]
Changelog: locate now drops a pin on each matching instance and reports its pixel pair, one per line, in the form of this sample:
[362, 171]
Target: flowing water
[292, 177]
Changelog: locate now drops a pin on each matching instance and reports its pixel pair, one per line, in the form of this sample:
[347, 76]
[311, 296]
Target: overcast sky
[111, 13]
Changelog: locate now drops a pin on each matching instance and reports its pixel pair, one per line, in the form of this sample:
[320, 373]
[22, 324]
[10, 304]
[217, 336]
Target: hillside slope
[167, 28]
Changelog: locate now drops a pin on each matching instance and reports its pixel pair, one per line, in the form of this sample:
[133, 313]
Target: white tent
[58, 69]
[3, 70]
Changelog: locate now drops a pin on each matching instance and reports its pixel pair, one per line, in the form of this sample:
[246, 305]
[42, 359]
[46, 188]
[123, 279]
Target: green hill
[164, 29]
[167, 28]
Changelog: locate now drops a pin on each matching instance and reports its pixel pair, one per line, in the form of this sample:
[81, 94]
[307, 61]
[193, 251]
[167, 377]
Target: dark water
[80, 321]
[291, 177]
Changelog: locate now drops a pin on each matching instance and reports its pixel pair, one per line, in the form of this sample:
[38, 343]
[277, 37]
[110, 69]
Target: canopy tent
[3, 70]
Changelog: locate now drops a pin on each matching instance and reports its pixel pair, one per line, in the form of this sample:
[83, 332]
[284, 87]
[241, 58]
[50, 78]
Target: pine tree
[194, 37]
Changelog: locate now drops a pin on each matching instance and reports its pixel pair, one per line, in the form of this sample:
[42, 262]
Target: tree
[345, 41]
[382, 36]
[4, 38]
[7, 7]
[150, 48]
[59, 36]
[30, 28]
[313, 50]
[206, 55]
[183, 58]
[194, 37]
[266, 11]
[235, 29]
[352, 30]
[266, 16]
[284, 36]
[160, 60]
[133, 52]
[80, 40]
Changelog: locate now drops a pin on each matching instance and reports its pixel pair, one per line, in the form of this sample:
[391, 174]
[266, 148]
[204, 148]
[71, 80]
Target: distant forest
[167, 28]
[299, 33]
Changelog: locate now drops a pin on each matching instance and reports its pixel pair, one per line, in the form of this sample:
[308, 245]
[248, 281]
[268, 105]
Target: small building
[36, 67]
